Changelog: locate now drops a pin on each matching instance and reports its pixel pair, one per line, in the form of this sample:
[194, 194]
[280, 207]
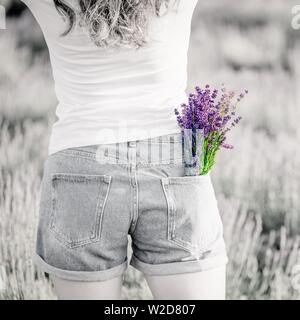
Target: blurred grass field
[245, 44]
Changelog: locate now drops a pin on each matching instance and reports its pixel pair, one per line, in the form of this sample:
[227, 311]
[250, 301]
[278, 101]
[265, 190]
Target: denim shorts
[93, 197]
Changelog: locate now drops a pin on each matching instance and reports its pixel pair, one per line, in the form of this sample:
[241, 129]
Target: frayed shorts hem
[80, 275]
[180, 266]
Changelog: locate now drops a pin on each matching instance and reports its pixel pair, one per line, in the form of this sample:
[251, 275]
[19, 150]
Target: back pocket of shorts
[194, 222]
[77, 207]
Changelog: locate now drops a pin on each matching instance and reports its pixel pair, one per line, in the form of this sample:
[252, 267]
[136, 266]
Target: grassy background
[246, 44]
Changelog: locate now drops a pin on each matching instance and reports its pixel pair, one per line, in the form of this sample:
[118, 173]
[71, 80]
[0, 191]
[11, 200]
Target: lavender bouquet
[205, 121]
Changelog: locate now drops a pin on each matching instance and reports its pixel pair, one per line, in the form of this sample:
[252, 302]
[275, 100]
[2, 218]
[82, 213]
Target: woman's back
[111, 95]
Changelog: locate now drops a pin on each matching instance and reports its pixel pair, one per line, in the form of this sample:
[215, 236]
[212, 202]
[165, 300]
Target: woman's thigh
[82, 290]
[204, 285]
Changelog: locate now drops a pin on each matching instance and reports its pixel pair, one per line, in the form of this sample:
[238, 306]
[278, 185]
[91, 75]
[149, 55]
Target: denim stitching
[135, 204]
[71, 154]
[187, 179]
[78, 152]
[101, 202]
[170, 221]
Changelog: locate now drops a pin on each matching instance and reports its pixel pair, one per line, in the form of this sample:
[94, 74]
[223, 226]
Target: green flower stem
[207, 159]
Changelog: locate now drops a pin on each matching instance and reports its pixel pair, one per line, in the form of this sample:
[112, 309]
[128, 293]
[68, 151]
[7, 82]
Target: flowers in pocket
[205, 122]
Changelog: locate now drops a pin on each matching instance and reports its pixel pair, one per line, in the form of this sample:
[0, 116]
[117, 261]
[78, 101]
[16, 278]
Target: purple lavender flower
[227, 146]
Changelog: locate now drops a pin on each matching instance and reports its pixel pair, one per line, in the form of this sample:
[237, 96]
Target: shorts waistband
[156, 150]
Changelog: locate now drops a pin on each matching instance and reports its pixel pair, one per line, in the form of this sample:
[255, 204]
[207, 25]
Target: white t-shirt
[109, 95]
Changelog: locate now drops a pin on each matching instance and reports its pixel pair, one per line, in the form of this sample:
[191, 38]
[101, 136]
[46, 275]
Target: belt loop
[149, 150]
[117, 151]
[160, 149]
[172, 149]
[138, 145]
[131, 152]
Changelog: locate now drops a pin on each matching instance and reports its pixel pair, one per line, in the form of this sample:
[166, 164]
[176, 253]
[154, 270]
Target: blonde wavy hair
[114, 22]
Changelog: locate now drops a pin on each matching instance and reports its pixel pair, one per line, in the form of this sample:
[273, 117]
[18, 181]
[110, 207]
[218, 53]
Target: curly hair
[114, 22]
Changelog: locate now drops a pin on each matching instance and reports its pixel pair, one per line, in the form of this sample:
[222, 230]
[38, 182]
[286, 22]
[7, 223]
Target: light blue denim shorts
[93, 197]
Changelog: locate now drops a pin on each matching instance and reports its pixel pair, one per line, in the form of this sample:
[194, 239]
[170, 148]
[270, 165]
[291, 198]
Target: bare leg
[205, 285]
[77, 290]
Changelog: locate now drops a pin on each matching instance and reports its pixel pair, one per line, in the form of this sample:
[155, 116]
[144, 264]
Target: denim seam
[79, 156]
[135, 214]
[80, 152]
[169, 227]
[149, 165]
